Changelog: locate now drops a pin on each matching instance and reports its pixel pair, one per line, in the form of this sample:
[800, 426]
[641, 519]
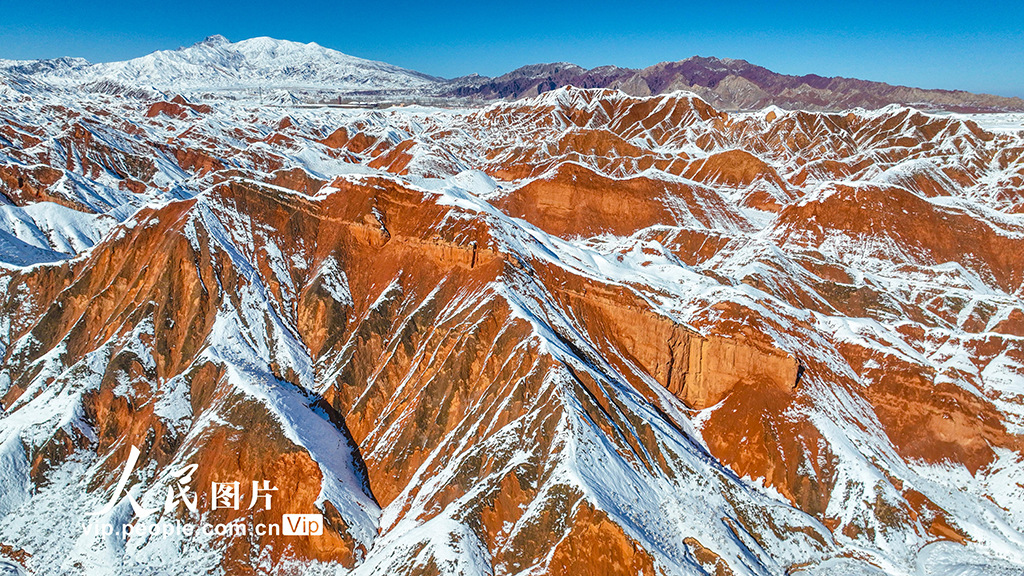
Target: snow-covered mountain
[287, 73]
[215, 64]
[579, 333]
[55, 66]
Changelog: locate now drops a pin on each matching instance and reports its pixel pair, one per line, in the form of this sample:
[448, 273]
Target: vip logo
[303, 525]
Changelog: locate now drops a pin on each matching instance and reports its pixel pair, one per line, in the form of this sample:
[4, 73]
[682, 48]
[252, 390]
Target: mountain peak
[218, 64]
[317, 73]
[213, 41]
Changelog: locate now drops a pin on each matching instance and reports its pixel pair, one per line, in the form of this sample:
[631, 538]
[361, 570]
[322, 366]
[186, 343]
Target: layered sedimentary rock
[726, 83]
[581, 333]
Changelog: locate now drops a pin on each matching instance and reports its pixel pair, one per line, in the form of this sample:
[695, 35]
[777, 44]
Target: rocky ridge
[730, 84]
[288, 73]
[579, 331]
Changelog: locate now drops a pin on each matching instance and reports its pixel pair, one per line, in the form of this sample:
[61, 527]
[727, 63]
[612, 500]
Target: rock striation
[581, 332]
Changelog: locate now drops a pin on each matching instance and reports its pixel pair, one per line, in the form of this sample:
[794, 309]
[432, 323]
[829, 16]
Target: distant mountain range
[730, 84]
[291, 71]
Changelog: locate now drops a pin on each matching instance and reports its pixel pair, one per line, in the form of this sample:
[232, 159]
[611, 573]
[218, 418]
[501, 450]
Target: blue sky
[976, 46]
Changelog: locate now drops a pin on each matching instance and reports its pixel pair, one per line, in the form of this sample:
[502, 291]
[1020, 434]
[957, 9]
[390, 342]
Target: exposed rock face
[279, 72]
[699, 370]
[178, 108]
[728, 84]
[583, 333]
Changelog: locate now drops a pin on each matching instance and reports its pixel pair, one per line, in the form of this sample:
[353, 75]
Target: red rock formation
[806, 301]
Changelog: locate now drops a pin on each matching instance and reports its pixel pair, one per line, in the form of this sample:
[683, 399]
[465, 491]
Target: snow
[335, 281]
[997, 122]
[14, 475]
[476, 182]
[605, 457]
[247, 66]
